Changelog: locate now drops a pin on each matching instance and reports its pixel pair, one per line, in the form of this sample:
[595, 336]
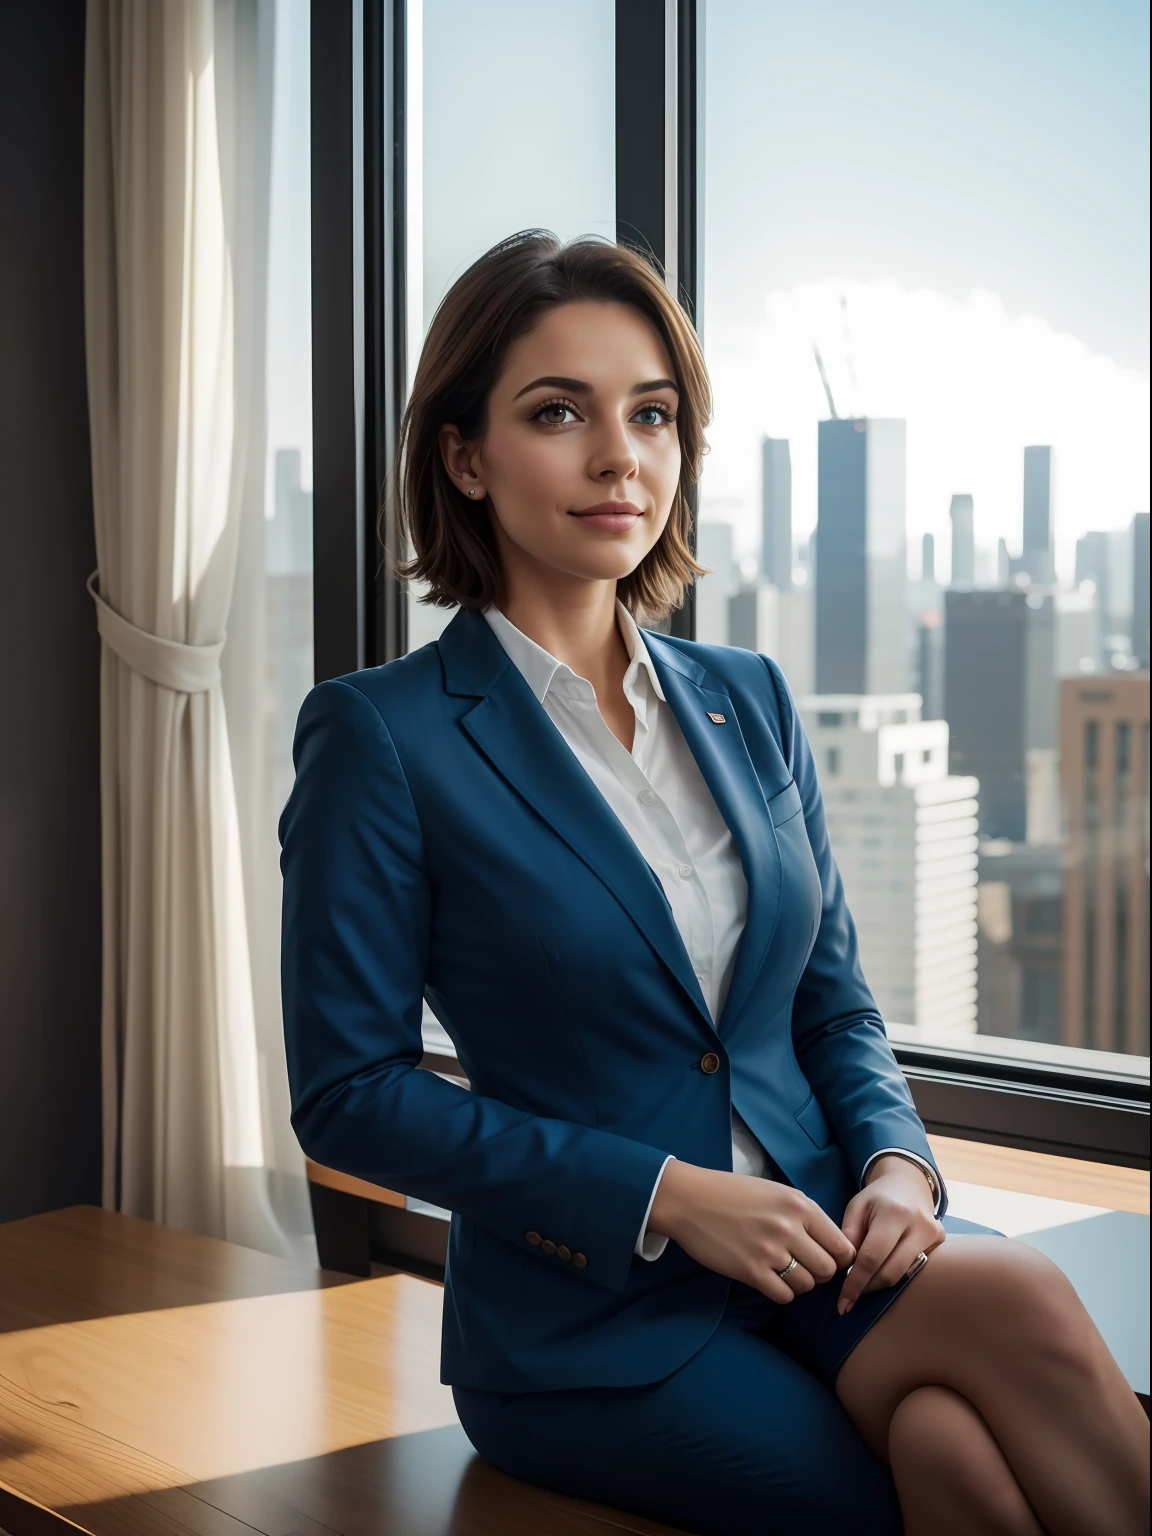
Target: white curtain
[176, 226]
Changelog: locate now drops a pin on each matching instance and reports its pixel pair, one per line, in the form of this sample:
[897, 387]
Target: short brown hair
[499, 299]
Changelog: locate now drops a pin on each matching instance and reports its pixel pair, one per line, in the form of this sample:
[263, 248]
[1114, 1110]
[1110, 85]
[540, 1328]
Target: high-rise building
[1094, 566]
[776, 513]
[903, 832]
[930, 664]
[1077, 632]
[861, 558]
[928, 558]
[778, 624]
[1038, 553]
[1104, 769]
[289, 545]
[999, 696]
[1140, 589]
[963, 542]
[714, 549]
[1019, 908]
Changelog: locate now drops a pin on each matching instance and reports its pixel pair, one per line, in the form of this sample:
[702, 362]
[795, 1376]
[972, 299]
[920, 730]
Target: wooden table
[155, 1383]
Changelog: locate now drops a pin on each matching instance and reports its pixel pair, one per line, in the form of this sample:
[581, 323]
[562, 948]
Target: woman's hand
[891, 1223]
[749, 1229]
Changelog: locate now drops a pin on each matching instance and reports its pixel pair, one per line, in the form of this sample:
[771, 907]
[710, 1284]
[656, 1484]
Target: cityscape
[982, 745]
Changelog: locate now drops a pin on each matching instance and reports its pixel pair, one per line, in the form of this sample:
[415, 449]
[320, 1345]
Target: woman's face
[580, 460]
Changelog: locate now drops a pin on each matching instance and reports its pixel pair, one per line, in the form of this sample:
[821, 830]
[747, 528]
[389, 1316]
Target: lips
[612, 516]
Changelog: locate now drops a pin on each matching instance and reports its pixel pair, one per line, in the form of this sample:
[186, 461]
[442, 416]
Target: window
[925, 252]
[507, 141]
[899, 220]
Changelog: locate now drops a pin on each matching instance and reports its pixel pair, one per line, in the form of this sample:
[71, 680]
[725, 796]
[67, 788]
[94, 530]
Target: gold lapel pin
[717, 719]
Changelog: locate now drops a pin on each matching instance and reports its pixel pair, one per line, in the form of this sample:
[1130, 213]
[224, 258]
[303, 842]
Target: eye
[654, 415]
[555, 413]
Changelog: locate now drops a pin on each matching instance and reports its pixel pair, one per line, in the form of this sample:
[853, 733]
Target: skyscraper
[928, 558]
[714, 549]
[999, 696]
[963, 542]
[776, 513]
[861, 558]
[1037, 558]
[1140, 589]
[1104, 768]
[904, 835]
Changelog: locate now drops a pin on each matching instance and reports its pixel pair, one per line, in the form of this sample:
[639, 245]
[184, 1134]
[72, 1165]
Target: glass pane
[269, 661]
[515, 130]
[927, 324]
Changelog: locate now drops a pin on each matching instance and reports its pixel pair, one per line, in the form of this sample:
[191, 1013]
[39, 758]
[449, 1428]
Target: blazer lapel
[512, 729]
[722, 755]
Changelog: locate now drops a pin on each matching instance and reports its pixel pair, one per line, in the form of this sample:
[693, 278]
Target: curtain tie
[168, 663]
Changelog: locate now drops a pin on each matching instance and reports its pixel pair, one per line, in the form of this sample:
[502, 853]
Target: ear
[460, 462]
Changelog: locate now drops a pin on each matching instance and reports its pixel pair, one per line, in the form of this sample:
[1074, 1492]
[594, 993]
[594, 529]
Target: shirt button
[563, 1253]
[646, 797]
[548, 1246]
[710, 1062]
[579, 1261]
[533, 1238]
[685, 871]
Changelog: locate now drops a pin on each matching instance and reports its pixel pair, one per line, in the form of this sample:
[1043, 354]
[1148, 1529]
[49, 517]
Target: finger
[882, 1237]
[770, 1284]
[798, 1280]
[819, 1225]
[819, 1263]
[896, 1265]
[857, 1214]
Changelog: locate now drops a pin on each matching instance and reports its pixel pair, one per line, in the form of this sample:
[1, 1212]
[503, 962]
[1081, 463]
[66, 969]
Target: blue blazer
[443, 842]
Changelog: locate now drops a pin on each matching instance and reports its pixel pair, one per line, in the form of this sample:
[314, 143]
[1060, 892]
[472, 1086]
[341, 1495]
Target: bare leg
[951, 1477]
[1001, 1326]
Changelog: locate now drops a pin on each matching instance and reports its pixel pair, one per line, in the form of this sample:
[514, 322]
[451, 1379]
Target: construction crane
[824, 380]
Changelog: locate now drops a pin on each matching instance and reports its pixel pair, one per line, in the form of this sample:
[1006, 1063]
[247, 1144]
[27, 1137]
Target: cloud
[974, 383]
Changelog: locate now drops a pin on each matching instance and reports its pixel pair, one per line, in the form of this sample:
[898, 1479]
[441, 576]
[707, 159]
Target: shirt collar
[540, 669]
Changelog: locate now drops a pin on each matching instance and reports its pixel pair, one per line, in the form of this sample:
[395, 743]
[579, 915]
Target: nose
[614, 457]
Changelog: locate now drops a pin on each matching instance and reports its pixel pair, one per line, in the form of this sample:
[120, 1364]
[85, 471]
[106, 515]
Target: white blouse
[659, 795]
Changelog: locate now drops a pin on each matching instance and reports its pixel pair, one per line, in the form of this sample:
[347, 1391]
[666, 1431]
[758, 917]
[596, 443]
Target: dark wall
[49, 656]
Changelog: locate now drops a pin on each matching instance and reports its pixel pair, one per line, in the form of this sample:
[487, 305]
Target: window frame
[358, 149]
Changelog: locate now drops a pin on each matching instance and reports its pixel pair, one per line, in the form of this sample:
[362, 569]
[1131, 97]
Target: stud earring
[471, 493]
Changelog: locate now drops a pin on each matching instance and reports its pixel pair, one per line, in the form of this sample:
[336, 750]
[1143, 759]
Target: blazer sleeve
[837, 1031]
[355, 940]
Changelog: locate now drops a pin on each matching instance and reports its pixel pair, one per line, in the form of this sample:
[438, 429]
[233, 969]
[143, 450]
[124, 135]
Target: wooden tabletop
[156, 1383]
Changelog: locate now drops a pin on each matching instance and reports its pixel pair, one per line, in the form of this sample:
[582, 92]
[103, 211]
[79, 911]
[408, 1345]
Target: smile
[612, 516]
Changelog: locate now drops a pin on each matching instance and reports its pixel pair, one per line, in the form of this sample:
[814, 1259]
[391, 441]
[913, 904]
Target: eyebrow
[579, 387]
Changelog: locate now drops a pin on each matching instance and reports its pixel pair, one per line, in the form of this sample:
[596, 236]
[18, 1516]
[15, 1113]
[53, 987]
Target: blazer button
[547, 1246]
[710, 1062]
[533, 1238]
[580, 1261]
[563, 1253]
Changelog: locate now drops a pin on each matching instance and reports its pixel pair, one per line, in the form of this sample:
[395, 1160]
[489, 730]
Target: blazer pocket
[811, 1119]
[784, 806]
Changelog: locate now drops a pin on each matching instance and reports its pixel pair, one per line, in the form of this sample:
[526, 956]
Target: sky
[974, 182]
[972, 179]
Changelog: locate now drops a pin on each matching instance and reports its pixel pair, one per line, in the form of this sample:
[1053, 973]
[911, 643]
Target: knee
[1031, 1313]
[942, 1454]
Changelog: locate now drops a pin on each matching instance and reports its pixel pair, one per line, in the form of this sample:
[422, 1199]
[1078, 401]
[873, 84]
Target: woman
[692, 1197]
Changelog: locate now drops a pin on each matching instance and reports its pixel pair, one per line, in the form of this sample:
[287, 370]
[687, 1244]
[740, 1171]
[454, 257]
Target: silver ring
[918, 1264]
[784, 1273]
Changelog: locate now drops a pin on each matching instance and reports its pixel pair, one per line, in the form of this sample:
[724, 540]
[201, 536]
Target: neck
[575, 621]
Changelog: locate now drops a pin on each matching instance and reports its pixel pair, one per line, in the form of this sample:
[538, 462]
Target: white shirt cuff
[651, 1247]
[934, 1178]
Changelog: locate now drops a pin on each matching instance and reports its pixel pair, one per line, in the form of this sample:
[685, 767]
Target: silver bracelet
[933, 1182]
